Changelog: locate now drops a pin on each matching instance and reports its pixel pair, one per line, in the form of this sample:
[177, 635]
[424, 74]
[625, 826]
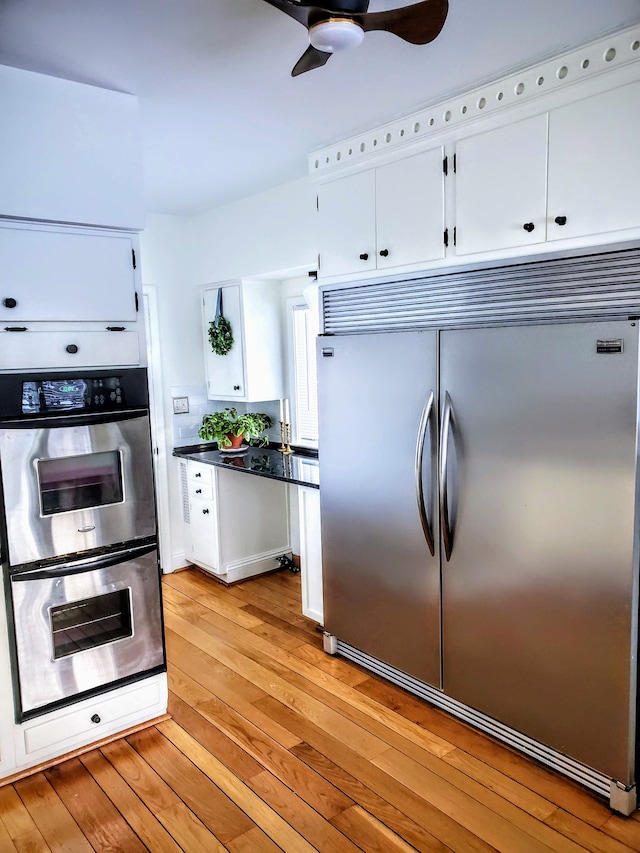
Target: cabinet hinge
[446, 237]
[455, 235]
[445, 166]
[133, 258]
[318, 261]
[318, 204]
[455, 163]
[137, 301]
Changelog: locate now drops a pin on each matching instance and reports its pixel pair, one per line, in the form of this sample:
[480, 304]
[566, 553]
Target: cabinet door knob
[96, 719]
[384, 253]
[198, 491]
[236, 387]
[72, 349]
[364, 256]
[198, 474]
[9, 302]
[560, 220]
[205, 512]
[528, 226]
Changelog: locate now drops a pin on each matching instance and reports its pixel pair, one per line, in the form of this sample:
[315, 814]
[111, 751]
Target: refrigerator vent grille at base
[586, 287]
[586, 776]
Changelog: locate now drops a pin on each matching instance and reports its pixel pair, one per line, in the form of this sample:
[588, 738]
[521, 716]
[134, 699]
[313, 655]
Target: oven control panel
[72, 395]
[61, 393]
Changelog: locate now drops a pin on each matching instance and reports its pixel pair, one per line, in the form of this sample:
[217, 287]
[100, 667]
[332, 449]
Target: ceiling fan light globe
[335, 34]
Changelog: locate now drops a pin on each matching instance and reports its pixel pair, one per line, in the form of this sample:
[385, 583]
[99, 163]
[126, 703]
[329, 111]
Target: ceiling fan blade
[310, 59]
[307, 13]
[299, 11]
[417, 24]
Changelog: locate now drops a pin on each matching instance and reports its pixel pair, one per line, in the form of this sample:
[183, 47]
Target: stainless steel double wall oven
[79, 546]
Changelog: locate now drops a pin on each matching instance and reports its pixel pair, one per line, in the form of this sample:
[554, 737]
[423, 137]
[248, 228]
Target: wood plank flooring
[274, 745]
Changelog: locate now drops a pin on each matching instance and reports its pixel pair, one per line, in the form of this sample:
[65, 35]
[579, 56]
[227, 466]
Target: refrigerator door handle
[422, 432]
[447, 533]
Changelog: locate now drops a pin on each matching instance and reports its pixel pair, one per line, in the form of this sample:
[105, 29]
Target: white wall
[270, 234]
[165, 248]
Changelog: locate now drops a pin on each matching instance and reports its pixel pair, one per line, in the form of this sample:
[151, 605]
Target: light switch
[180, 405]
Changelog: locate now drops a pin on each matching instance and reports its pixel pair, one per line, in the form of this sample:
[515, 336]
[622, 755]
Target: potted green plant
[228, 428]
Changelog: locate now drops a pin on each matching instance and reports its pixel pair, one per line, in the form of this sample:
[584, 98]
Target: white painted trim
[158, 425]
[588, 70]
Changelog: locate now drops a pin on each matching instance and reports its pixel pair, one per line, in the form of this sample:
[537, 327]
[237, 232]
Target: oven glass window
[92, 622]
[80, 482]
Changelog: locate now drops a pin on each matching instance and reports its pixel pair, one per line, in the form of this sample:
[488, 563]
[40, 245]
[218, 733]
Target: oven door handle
[78, 568]
[54, 421]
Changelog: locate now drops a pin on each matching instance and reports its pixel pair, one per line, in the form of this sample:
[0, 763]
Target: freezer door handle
[447, 533]
[422, 432]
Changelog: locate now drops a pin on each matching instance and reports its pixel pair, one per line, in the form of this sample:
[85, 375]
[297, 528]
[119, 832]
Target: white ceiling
[221, 116]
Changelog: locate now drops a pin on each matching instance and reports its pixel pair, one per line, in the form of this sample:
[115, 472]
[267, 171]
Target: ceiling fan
[340, 24]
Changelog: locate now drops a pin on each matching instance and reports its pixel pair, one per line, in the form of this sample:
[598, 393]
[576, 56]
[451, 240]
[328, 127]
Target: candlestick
[287, 417]
[282, 418]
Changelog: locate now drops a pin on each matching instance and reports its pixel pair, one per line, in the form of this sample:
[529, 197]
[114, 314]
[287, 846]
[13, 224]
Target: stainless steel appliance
[479, 534]
[79, 547]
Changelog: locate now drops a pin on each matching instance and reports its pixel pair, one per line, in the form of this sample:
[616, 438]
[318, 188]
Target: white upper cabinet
[500, 187]
[347, 219]
[252, 370]
[571, 173]
[387, 217]
[594, 167]
[69, 152]
[57, 274]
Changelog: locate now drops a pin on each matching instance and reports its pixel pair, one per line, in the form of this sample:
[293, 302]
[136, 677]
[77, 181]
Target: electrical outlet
[180, 405]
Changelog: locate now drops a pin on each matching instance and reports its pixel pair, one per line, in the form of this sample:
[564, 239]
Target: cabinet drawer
[199, 473]
[45, 350]
[200, 491]
[77, 722]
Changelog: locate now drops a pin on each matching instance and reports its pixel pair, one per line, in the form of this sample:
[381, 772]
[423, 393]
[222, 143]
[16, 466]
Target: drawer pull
[72, 349]
[198, 491]
[96, 719]
[205, 511]
[198, 474]
[9, 302]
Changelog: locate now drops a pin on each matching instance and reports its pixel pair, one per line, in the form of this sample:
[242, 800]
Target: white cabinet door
[203, 520]
[66, 275]
[252, 370]
[390, 216]
[594, 167]
[347, 220]
[31, 350]
[501, 180]
[310, 553]
[410, 210]
[225, 373]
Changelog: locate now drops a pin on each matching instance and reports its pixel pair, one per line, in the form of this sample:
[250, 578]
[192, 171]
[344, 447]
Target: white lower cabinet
[236, 525]
[310, 553]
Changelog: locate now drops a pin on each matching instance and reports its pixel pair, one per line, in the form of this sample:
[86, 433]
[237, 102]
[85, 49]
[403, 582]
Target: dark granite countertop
[301, 467]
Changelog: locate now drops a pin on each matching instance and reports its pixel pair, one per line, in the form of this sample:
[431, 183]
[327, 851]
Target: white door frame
[158, 424]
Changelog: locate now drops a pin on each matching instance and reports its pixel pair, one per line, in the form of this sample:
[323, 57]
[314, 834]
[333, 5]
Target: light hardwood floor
[273, 745]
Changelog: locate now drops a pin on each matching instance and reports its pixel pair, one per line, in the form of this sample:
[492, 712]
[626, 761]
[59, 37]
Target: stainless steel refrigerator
[479, 525]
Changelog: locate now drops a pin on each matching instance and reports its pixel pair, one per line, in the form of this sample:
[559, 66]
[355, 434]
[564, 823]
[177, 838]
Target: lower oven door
[81, 627]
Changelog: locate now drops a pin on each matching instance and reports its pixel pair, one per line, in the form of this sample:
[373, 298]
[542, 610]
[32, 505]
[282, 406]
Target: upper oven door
[76, 483]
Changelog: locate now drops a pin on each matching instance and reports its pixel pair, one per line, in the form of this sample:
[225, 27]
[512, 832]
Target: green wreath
[220, 335]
